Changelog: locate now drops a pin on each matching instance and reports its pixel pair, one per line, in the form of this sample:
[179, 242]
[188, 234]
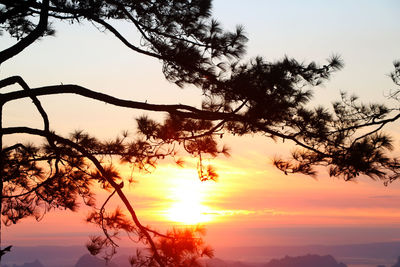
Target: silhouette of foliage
[258, 96]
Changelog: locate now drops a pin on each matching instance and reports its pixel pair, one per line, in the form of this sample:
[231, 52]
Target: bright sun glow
[188, 195]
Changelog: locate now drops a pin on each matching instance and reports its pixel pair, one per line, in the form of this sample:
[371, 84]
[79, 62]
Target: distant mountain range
[35, 263]
[306, 261]
[301, 261]
[358, 255]
[92, 261]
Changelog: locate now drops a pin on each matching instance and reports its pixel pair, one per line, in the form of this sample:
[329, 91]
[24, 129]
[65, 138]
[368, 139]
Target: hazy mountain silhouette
[49, 256]
[121, 261]
[397, 263]
[92, 261]
[357, 253]
[300, 261]
[215, 262]
[306, 261]
[362, 255]
[35, 263]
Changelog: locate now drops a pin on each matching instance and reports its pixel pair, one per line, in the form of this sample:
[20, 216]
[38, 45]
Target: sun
[187, 202]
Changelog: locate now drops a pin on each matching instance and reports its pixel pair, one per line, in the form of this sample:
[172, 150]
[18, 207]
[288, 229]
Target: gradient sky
[252, 203]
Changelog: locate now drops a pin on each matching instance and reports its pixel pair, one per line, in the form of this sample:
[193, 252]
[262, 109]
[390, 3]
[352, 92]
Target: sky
[252, 203]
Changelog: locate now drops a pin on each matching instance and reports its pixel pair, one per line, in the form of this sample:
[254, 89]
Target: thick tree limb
[184, 111]
[177, 109]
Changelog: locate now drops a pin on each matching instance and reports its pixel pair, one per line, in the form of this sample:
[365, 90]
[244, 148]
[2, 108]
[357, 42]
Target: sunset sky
[252, 203]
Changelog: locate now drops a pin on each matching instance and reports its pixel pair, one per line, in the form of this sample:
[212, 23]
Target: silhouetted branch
[17, 79]
[258, 96]
[124, 40]
[15, 146]
[34, 189]
[27, 130]
[181, 110]
[102, 210]
[31, 37]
